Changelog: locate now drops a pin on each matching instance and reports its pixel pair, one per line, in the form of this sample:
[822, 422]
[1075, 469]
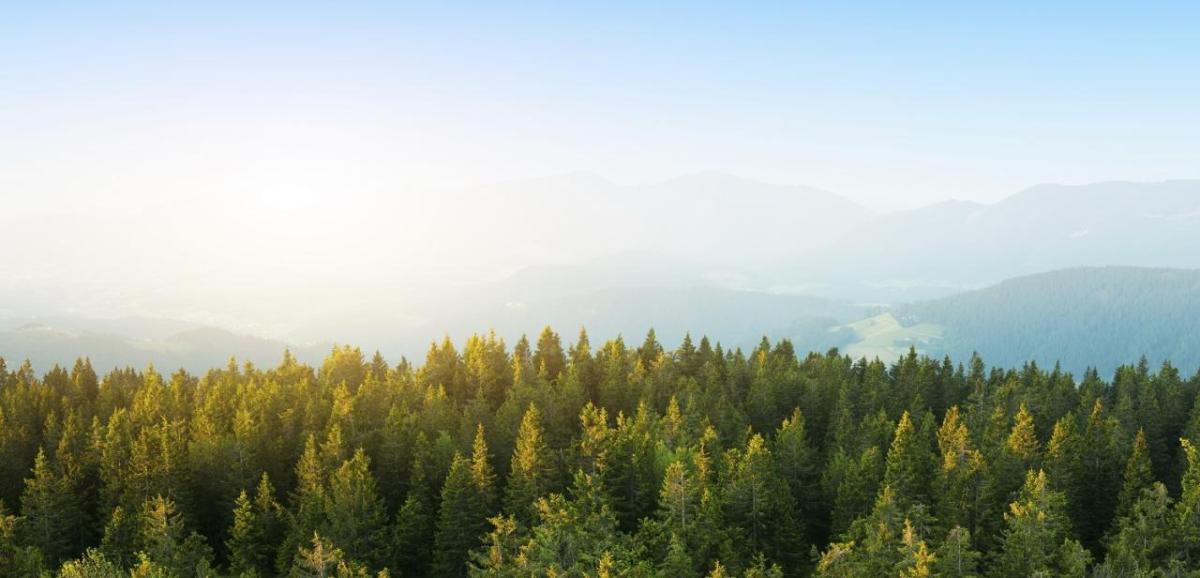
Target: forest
[561, 458]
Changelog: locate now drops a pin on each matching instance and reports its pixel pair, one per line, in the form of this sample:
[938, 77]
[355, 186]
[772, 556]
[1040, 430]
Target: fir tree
[462, 520]
[164, 541]
[1138, 476]
[356, 518]
[531, 472]
[49, 512]
[909, 462]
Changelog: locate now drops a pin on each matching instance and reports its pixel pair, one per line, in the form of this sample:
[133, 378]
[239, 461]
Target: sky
[159, 155]
[276, 107]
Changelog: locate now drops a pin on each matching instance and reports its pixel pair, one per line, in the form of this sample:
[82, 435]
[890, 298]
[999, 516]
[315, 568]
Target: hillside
[137, 343]
[1085, 316]
[948, 247]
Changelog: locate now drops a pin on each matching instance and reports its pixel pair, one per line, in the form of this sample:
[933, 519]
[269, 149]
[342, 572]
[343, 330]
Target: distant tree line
[553, 460]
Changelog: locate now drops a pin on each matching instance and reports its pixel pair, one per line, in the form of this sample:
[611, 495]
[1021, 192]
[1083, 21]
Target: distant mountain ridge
[136, 342]
[1082, 317]
[948, 247]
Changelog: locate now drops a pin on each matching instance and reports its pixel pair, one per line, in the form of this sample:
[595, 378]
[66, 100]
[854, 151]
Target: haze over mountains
[707, 253]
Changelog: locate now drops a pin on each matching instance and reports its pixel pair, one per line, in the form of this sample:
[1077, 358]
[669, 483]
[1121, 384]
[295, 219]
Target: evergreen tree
[482, 474]
[321, 560]
[462, 520]
[1035, 538]
[955, 557]
[120, 537]
[164, 541]
[356, 518]
[1144, 540]
[909, 464]
[796, 461]
[256, 532]
[677, 562]
[1187, 511]
[857, 489]
[531, 473]
[548, 358]
[959, 478]
[760, 505]
[1138, 476]
[48, 510]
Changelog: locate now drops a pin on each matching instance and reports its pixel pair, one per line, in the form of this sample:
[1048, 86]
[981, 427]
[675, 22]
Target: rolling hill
[1081, 317]
[949, 247]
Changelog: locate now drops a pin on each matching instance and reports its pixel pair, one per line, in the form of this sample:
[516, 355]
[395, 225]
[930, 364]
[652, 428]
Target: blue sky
[892, 104]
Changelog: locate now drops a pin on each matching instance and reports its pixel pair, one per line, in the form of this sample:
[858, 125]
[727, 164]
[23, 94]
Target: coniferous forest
[578, 459]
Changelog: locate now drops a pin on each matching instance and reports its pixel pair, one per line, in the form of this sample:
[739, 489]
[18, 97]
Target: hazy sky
[280, 105]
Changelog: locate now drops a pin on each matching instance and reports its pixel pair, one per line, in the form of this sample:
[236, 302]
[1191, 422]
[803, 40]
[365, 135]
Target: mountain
[137, 342]
[711, 217]
[1083, 317]
[948, 247]
[617, 295]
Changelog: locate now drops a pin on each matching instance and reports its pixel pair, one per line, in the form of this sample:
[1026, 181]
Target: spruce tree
[414, 533]
[1036, 532]
[1139, 476]
[797, 463]
[548, 358]
[1145, 537]
[677, 562]
[482, 474]
[164, 541]
[958, 482]
[461, 522]
[256, 531]
[356, 518]
[531, 473]
[49, 513]
[856, 490]
[1187, 511]
[955, 556]
[909, 464]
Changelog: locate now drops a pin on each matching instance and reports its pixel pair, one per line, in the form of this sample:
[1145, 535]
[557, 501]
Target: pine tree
[1144, 539]
[1139, 476]
[322, 560]
[245, 538]
[677, 562]
[760, 505]
[955, 557]
[1036, 530]
[462, 520]
[49, 512]
[15, 560]
[1102, 457]
[531, 473]
[482, 474]
[857, 489]
[909, 464]
[164, 540]
[718, 571]
[92, 565]
[575, 536]
[256, 531]
[677, 499]
[917, 561]
[413, 540]
[119, 543]
[1187, 511]
[357, 520]
[548, 358]
[307, 504]
[959, 478]
[796, 461]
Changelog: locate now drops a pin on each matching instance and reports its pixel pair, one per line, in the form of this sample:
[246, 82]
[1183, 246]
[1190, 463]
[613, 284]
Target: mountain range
[734, 259]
